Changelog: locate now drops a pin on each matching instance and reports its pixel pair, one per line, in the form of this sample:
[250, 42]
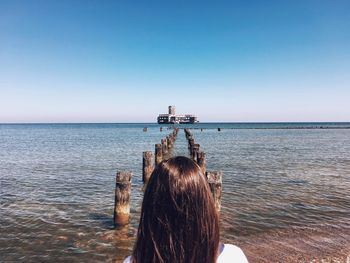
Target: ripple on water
[282, 189]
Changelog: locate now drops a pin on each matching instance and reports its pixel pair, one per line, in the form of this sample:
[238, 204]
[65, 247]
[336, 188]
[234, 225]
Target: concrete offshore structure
[172, 118]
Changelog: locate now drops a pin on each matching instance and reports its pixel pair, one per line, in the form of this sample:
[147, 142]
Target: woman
[179, 222]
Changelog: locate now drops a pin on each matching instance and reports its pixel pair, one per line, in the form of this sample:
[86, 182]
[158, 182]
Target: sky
[126, 61]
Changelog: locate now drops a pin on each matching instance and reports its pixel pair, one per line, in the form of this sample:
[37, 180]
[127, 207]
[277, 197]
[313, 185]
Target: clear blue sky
[126, 61]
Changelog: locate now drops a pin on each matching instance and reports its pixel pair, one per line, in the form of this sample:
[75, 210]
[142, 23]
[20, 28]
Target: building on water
[171, 117]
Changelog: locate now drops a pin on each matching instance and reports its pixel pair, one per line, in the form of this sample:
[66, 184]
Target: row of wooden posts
[163, 151]
[123, 178]
[214, 177]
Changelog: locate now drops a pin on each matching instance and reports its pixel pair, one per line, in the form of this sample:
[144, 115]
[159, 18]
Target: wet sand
[327, 244]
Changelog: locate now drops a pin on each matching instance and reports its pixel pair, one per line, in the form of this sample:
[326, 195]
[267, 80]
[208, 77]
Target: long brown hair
[178, 221]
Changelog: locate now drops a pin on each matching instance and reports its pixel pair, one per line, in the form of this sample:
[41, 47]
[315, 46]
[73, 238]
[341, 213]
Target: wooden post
[201, 161]
[215, 184]
[188, 133]
[145, 129]
[158, 153]
[168, 139]
[164, 147]
[147, 165]
[219, 129]
[190, 142]
[195, 150]
[122, 198]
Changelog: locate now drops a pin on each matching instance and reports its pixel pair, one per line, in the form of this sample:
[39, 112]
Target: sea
[285, 192]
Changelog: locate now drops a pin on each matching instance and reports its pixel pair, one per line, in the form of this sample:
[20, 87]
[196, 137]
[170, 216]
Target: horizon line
[209, 122]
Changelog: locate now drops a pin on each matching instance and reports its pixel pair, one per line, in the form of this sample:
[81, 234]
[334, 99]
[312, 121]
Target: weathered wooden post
[190, 143]
[201, 161]
[168, 139]
[147, 165]
[122, 198]
[187, 133]
[164, 147]
[158, 153]
[215, 184]
[195, 150]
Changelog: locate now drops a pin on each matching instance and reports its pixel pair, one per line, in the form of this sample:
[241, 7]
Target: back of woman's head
[178, 221]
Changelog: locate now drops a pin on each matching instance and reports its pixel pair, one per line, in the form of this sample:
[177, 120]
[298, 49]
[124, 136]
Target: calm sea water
[282, 185]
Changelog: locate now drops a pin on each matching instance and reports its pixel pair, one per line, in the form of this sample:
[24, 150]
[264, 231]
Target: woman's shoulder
[231, 253]
[127, 260]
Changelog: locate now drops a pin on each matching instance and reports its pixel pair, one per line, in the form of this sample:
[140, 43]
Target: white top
[228, 253]
[231, 253]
